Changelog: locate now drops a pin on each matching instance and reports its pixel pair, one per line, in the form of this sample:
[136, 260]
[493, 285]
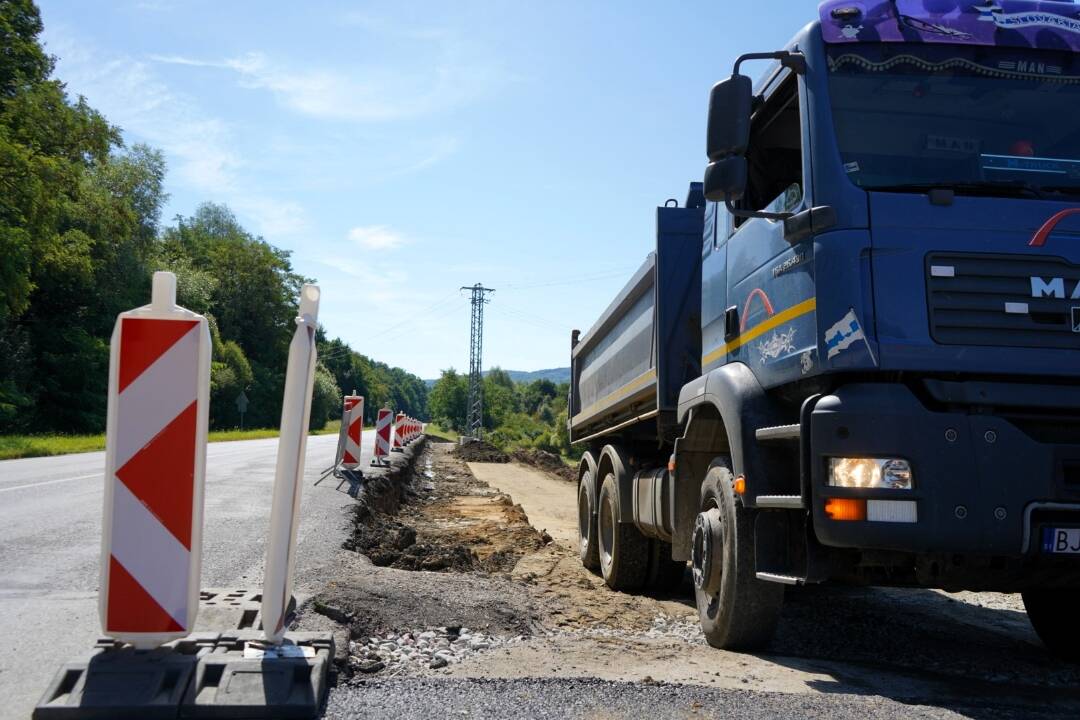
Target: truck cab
[889, 385]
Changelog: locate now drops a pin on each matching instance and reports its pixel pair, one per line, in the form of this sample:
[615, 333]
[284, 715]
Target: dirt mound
[449, 523]
[390, 543]
[480, 451]
[548, 462]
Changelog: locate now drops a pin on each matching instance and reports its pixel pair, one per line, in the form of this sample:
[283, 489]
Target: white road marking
[51, 482]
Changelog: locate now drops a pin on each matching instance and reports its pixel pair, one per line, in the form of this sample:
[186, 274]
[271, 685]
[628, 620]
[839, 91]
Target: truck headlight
[890, 473]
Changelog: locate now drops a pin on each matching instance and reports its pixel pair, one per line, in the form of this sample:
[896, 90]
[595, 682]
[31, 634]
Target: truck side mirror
[725, 179]
[730, 106]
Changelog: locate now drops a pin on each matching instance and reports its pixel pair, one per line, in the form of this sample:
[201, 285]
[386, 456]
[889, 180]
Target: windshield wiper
[986, 188]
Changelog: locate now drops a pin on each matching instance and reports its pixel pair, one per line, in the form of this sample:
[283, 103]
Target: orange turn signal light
[740, 485]
[845, 508]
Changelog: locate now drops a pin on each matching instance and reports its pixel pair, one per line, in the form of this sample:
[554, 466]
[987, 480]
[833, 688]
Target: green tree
[448, 399]
[325, 398]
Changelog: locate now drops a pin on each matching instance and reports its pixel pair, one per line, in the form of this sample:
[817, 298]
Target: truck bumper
[983, 483]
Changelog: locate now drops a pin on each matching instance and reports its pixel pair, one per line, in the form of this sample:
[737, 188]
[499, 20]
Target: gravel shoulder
[534, 624]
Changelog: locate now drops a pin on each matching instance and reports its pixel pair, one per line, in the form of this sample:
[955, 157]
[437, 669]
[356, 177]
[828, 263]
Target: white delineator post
[292, 444]
[155, 465]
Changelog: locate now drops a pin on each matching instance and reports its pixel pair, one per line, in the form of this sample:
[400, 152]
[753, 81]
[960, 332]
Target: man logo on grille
[1076, 319]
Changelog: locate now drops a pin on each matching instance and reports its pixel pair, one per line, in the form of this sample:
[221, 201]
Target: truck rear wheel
[665, 574]
[624, 551]
[1053, 615]
[587, 543]
[737, 611]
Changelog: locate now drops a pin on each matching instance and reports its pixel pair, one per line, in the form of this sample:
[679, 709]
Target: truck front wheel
[1053, 615]
[737, 611]
[624, 551]
[587, 544]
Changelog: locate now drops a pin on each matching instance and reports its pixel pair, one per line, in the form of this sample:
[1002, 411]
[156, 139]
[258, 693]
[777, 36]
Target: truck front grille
[1003, 300]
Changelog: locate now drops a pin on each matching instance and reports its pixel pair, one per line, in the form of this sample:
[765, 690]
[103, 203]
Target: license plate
[1061, 540]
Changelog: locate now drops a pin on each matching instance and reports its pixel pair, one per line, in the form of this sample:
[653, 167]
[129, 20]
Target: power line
[572, 280]
[397, 328]
[533, 318]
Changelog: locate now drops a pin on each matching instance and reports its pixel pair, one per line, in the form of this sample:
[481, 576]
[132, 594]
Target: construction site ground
[468, 599]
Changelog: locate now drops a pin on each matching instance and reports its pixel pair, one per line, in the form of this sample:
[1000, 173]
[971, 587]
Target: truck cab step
[777, 578]
[778, 432]
[780, 502]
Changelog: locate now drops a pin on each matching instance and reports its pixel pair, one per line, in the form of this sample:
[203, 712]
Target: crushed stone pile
[433, 649]
[663, 628]
[480, 451]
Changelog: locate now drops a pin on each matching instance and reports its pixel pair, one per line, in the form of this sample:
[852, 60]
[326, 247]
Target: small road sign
[241, 405]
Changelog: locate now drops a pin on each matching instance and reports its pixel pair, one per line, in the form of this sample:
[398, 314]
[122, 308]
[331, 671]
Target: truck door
[714, 284]
[770, 281]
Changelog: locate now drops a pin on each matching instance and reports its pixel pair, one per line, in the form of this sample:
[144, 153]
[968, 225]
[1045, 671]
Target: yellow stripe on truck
[776, 320]
[626, 389]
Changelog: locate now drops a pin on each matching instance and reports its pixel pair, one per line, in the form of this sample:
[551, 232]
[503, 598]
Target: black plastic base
[289, 683]
[118, 681]
[205, 675]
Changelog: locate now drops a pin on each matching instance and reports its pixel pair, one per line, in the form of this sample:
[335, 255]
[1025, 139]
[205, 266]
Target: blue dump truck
[855, 353]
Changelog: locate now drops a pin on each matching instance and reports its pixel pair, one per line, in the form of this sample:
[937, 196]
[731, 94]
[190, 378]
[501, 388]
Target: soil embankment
[458, 581]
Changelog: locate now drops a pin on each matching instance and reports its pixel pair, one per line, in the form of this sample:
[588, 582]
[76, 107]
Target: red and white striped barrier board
[354, 420]
[155, 463]
[399, 431]
[292, 445]
[382, 436]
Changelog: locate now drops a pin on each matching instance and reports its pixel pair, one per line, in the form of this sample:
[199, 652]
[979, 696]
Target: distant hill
[555, 375]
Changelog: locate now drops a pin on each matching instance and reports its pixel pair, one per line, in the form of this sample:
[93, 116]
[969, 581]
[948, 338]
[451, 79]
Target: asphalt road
[50, 545]
[589, 699]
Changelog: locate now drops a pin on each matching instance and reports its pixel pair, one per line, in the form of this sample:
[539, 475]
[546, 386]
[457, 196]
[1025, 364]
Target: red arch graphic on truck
[1039, 238]
[756, 292]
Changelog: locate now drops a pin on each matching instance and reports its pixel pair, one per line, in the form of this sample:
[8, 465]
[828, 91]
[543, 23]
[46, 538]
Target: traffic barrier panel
[292, 444]
[399, 431]
[155, 465]
[347, 455]
[354, 410]
[382, 437]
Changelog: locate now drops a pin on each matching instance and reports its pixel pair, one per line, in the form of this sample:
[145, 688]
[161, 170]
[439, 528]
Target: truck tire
[587, 544]
[665, 574]
[1053, 615]
[737, 611]
[624, 551]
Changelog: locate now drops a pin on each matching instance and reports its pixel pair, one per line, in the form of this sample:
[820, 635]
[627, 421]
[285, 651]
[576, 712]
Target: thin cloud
[375, 237]
[438, 73]
[201, 149]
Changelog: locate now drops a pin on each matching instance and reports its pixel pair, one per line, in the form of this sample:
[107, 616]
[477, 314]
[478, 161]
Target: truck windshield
[980, 120]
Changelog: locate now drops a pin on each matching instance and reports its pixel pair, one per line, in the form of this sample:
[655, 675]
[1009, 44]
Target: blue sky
[402, 150]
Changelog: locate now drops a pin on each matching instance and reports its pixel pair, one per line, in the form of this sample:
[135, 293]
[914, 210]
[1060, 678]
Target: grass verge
[444, 433]
[24, 446]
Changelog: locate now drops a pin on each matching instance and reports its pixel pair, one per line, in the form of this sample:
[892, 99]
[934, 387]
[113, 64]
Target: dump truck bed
[629, 367]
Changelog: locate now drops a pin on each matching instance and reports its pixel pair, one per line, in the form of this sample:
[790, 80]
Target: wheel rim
[707, 552]
[584, 517]
[606, 522]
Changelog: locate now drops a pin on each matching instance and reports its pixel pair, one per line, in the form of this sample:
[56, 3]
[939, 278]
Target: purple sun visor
[1010, 23]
